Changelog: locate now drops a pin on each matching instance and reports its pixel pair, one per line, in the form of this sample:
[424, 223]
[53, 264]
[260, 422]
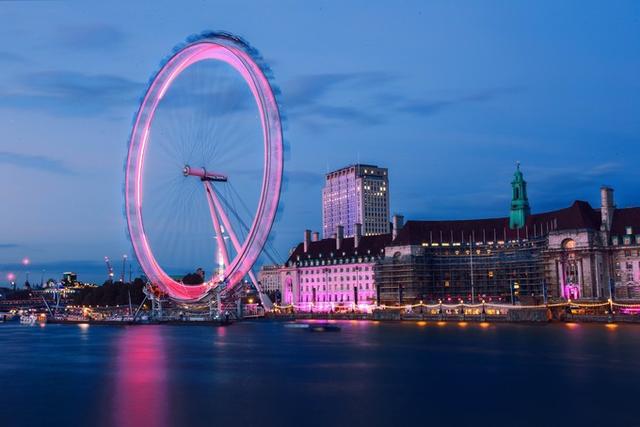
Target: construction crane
[109, 268]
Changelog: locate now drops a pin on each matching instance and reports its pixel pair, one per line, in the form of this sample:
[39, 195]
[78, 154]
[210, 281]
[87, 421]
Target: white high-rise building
[356, 194]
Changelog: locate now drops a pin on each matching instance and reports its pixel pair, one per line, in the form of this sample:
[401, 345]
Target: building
[333, 274]
[578, 252]
[356, 194]
[269, 278]
[69, 278]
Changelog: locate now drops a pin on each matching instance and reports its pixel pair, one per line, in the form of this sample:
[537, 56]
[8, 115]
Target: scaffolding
[511, 272]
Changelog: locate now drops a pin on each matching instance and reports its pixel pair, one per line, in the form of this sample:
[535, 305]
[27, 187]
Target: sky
[447, 95]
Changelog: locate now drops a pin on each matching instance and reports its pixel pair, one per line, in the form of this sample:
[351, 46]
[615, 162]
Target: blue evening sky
[447, 95]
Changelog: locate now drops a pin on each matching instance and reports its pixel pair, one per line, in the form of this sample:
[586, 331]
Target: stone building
[578, 252]
[269, 278]
[333, 274]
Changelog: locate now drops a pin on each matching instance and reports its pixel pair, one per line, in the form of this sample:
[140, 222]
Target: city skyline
[525, 83]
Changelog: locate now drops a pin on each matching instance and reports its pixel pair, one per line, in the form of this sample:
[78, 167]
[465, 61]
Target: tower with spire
[519, 201]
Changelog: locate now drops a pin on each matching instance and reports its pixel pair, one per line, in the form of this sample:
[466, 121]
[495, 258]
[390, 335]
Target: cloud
[309, 89]
[90, 37]
[366, 98]
[309, 98]
[70, 93]
[35, 162]
[425, 107]
[9, 245]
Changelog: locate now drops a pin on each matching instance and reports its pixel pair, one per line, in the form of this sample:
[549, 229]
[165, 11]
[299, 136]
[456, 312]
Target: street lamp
[11, 277]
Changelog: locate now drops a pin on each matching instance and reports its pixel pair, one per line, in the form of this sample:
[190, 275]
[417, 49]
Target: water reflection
[141, 379]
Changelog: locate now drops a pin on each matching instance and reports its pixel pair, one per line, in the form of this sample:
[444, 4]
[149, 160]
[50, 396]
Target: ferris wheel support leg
[216, 222]
[266, 301]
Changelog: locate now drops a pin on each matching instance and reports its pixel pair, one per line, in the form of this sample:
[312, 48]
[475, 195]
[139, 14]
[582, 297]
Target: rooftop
[326, 248]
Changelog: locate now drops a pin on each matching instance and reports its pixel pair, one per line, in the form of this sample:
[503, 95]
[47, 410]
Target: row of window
[342, 278]
[335, 288]
[334, 298]
[335, 270]
[626, 240]
[333, 261]
[628, 265]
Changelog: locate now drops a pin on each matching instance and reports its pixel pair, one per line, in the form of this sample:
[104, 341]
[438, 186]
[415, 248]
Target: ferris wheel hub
[203, 174]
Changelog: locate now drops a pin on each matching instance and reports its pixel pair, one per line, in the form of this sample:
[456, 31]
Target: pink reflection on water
[141, 379]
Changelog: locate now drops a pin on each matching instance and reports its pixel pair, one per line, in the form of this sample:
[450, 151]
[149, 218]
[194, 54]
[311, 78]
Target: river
[370, 373]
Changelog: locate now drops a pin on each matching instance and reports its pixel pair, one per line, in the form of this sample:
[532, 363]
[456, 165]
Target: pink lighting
[11, 277]
[141, 379]
[229, 51]
[26, 261]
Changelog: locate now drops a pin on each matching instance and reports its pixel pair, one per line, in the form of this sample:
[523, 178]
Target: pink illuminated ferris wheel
[204, 168]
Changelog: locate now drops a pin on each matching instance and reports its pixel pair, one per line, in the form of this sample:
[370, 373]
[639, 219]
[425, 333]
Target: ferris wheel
[204, 168]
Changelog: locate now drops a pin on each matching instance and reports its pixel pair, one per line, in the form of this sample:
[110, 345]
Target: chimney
[307, 240]
[358, 235]
[606, 207]
[339, 236]
[397, 224]
[315, 236]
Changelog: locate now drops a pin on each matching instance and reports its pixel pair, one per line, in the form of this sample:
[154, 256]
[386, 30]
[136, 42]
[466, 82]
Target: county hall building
[578, 253]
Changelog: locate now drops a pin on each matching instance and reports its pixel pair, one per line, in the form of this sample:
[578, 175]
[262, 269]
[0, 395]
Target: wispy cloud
[35, 162]
[69, 93]
[309, 98]
[427, 107]
[89, 37]
[9, 245]
[368, 99]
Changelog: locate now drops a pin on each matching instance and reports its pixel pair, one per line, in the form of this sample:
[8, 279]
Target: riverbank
[514, 316]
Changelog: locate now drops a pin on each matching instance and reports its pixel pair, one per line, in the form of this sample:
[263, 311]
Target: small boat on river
[314, 327]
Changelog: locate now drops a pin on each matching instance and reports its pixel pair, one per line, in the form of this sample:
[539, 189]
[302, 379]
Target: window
[628, 230]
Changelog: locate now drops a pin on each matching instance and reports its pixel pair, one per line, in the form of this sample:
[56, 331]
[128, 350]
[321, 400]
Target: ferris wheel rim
[235, 53]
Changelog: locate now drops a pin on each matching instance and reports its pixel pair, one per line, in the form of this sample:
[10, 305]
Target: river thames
[370, 373]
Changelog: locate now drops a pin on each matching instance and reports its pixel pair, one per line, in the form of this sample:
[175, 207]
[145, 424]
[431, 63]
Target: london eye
[204, 169]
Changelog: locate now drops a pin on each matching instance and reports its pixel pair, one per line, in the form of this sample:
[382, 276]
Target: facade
[269, 278]
[356, 194]
[574, 253]
[333, 274]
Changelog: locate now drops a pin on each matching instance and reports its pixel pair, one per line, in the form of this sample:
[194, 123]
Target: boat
[33, 318]
[313, 327]
[323, 327]
[28, 319]
[296, 325]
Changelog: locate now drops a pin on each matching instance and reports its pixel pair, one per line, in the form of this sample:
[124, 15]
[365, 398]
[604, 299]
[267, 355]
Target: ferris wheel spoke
[232, 234]
[225, 221]
[216, 224]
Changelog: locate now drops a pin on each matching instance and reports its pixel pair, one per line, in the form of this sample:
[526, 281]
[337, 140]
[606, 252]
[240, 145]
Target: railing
[564, 310]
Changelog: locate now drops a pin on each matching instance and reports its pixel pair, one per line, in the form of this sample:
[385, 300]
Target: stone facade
[333, 274]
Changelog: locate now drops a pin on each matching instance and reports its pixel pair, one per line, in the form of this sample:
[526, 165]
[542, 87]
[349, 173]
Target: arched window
[568, 244]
